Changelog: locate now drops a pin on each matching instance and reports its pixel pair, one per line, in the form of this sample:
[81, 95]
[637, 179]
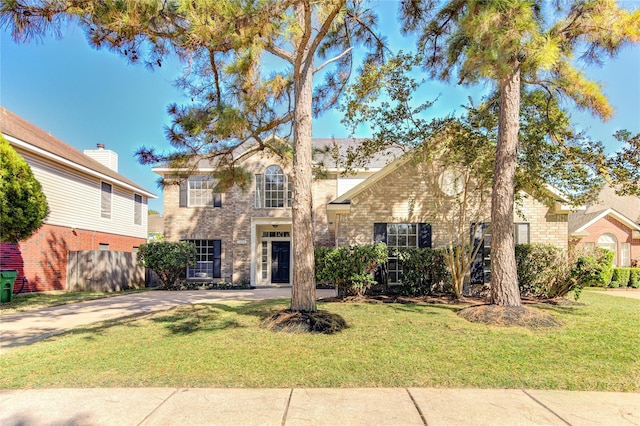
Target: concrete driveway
[29, 327]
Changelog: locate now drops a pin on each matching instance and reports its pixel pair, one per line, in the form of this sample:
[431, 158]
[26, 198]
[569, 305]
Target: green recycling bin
[7, 278]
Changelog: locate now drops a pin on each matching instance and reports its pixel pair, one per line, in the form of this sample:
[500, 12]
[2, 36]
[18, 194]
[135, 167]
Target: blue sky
[86, 96]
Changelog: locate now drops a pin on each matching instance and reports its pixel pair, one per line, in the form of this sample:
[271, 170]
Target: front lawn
[386, 345]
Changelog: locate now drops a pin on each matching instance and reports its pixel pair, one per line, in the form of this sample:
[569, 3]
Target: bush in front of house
[542, 271]
[351, 268]
[167, 259]
[592, 267]
[634, 278]
[620, 277]
[424, 272]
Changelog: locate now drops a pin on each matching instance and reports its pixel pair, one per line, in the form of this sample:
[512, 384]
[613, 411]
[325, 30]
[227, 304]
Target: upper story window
[105, 200]
[137, 209]
[198, 191]
[273, 189]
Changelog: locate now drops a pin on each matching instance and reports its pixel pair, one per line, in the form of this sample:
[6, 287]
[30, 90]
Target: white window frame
[137, 209]
[625, 255]
[610, 242]
[106, 200]
[264, 194]
[200, 191]
[399, 235]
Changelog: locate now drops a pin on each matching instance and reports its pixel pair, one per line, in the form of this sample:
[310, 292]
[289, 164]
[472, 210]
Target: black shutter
[477, 267]
[183, 193]
[380, 233]
[380, 236]
[217, 200]
[217, 258]
[424, 235]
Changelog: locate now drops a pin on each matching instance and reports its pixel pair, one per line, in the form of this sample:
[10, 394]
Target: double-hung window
[273, 189]
[198, 191]
[105, 200]
[208, 260]
[399, 236]
[137, 209]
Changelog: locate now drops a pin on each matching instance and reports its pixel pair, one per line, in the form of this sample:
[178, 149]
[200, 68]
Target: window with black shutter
[398, 236]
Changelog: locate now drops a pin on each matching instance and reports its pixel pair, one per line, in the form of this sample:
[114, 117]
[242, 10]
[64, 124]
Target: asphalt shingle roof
[19, 128]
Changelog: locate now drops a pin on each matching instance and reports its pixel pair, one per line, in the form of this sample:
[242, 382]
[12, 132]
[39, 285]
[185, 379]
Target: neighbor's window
[273, 189]
[103, 247]
[625, 254]
[137, 209]
[105, 200]
[609, 242]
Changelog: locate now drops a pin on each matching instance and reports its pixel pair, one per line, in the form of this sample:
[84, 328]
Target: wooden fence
[102, 270]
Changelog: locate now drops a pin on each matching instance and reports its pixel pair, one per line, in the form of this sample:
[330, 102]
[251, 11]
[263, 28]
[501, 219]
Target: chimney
[104, 156]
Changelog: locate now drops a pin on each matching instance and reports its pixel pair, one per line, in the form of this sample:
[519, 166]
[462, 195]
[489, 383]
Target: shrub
[167, 259]
[423, 272]
[350, 269]
[23, 205]
[593, 267]
[621, 276]
[634, 278]
[542, 271]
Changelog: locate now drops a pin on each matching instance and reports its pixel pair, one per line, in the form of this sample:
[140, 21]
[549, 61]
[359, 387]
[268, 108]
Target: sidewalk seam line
[547, 408]
[286, 408]
[159, 405]
[415, 404]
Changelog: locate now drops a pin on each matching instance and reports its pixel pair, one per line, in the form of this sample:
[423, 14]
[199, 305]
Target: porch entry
[274, 253]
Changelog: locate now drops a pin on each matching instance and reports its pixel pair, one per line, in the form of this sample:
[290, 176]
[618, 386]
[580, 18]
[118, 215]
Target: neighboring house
[247, 235]
[156, 227]
[612, 222]
[92, 206]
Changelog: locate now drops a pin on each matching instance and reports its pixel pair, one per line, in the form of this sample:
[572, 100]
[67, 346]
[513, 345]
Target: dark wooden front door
[280, 255]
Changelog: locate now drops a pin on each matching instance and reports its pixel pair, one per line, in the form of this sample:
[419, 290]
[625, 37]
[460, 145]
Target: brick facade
[610, 225]
[393, 200]
[41, 260]
[407, 194]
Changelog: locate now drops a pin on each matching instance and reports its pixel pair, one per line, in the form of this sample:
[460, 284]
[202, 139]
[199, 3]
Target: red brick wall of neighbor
[610, 225]
[42, 259]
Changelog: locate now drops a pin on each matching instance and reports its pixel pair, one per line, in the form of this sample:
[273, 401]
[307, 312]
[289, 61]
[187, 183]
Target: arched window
[609, 242]
[274, 187]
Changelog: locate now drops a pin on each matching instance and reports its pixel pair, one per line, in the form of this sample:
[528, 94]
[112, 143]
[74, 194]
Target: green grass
[41, 300]
[222, 345]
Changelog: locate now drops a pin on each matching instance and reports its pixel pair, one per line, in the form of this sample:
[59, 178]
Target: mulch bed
[477, 309]
[321, 322]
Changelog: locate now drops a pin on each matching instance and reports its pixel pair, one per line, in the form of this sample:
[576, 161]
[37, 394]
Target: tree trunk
[504, 277]
[303, 293]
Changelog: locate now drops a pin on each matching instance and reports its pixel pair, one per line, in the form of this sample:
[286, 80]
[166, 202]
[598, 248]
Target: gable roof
[578, 223]
[31, 138]
[628, 205]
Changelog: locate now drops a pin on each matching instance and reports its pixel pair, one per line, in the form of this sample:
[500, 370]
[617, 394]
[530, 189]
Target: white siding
[346, 183]
[74, 200]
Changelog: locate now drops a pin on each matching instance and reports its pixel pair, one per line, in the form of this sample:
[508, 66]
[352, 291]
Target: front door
[280, 255]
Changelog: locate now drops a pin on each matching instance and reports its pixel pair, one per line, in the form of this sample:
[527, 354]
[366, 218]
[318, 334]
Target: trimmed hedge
[625, 277]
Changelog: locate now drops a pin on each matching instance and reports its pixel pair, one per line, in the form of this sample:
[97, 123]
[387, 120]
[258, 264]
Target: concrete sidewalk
[29, 327]
[376, 406]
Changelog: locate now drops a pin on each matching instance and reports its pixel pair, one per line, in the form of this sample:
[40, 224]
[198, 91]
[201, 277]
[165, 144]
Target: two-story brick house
[247, 234]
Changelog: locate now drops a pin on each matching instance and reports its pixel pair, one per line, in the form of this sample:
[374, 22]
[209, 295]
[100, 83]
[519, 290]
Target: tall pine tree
[512, 43]
[250, 72]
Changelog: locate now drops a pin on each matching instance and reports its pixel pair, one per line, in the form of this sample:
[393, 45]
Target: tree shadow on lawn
[190, 319]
